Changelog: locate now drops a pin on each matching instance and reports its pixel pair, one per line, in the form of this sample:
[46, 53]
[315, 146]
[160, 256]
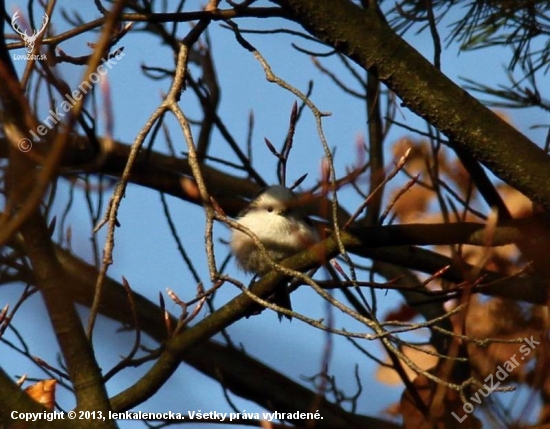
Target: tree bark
[365, 37]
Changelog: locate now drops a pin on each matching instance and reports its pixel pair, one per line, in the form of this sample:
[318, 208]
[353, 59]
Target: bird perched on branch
[283, 228]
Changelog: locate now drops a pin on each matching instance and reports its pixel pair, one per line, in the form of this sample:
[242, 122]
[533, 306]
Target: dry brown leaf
[412, 205]
[423, 360]
[393, 410]
[459, 176]
[440, 418]
[419, 152]
[504, 116]
[518, 204]
[491, 317]
[404, 313]
[190, 188]
[503, 319]
[43, 392]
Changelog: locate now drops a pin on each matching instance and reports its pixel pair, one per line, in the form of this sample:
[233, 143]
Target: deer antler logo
[29, 40]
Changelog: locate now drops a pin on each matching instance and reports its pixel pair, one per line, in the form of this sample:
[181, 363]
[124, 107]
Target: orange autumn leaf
[435, 415]
[404, 313]
[43, 392]
[424, 360]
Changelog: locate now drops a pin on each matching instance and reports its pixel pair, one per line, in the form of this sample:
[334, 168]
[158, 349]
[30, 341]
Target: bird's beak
[284, 212]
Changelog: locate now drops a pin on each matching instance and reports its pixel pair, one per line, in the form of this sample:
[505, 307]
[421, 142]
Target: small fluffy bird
[281, 226]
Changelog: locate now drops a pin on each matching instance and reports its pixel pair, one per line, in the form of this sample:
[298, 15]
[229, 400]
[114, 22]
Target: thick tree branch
[364, 36]
[77, 351]
[240, 373]
[13, 398]
[22, 214]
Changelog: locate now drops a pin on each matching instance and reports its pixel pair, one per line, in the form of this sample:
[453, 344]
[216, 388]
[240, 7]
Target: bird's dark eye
[269, 209]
